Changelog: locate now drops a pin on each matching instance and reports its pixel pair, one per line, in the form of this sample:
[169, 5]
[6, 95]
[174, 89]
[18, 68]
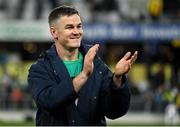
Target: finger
[127, 55]
[134, 57]
[92, 51]
[94, 48]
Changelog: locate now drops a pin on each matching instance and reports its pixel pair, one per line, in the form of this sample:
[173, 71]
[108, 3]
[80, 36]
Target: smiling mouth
[75, 38]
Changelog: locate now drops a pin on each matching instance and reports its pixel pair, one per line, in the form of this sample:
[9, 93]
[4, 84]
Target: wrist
[117, 79]
[84, 75]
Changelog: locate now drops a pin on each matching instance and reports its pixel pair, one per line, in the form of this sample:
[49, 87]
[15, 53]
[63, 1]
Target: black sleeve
[114, 101]
[46, 92]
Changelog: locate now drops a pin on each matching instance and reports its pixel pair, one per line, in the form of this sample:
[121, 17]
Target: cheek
[63, 35]
[67, 33]
[81, 32]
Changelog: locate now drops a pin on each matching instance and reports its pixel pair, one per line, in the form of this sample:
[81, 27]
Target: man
[70, 84]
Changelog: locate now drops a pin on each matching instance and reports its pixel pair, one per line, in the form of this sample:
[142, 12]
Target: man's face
[69, 31]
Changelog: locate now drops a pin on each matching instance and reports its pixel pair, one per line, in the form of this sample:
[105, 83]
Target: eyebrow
[67, 25]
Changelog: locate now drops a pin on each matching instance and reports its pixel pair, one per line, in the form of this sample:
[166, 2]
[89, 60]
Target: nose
[75, 31]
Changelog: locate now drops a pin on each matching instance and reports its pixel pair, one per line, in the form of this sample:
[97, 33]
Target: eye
[79, 26]
[69, 27]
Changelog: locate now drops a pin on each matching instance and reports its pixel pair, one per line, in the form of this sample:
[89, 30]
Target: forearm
[79, 81]
[116, 102]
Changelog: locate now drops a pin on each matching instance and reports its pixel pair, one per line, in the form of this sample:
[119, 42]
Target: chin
[76, 44]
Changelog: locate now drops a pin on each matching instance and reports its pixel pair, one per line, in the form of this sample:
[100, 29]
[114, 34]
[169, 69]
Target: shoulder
[42, 61]
[38, 66]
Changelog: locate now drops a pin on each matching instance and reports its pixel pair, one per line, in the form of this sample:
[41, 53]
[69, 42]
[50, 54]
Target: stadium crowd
[95, 10]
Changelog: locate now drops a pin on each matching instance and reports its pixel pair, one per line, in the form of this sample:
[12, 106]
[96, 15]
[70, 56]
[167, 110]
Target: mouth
[75, 37]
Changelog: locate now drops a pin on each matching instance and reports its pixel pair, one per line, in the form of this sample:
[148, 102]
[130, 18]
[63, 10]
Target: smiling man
[70, 84]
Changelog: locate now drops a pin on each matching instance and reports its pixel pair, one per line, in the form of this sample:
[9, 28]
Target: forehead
[72, 19]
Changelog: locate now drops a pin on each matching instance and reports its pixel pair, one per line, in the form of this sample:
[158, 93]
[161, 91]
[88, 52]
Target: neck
[66, 54]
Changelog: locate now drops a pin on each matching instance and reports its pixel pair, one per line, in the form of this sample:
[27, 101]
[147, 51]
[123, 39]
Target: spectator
[39, 5]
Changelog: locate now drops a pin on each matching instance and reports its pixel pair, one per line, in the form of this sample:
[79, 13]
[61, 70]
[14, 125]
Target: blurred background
[152, 27]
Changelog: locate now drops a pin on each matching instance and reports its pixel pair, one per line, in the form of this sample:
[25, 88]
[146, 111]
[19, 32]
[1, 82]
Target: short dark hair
[61, 11]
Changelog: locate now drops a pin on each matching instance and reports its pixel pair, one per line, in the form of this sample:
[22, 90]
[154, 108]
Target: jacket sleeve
[114, 101]
[46, 92]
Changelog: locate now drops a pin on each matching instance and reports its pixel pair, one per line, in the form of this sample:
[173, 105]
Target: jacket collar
[57, 62]
[52, 52]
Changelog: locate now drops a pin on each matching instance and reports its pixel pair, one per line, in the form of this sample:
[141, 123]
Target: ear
[54, 33]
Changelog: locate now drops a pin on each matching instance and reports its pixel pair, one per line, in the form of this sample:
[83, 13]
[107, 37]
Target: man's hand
[80, 80]
[88, 60]
[123, 67]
